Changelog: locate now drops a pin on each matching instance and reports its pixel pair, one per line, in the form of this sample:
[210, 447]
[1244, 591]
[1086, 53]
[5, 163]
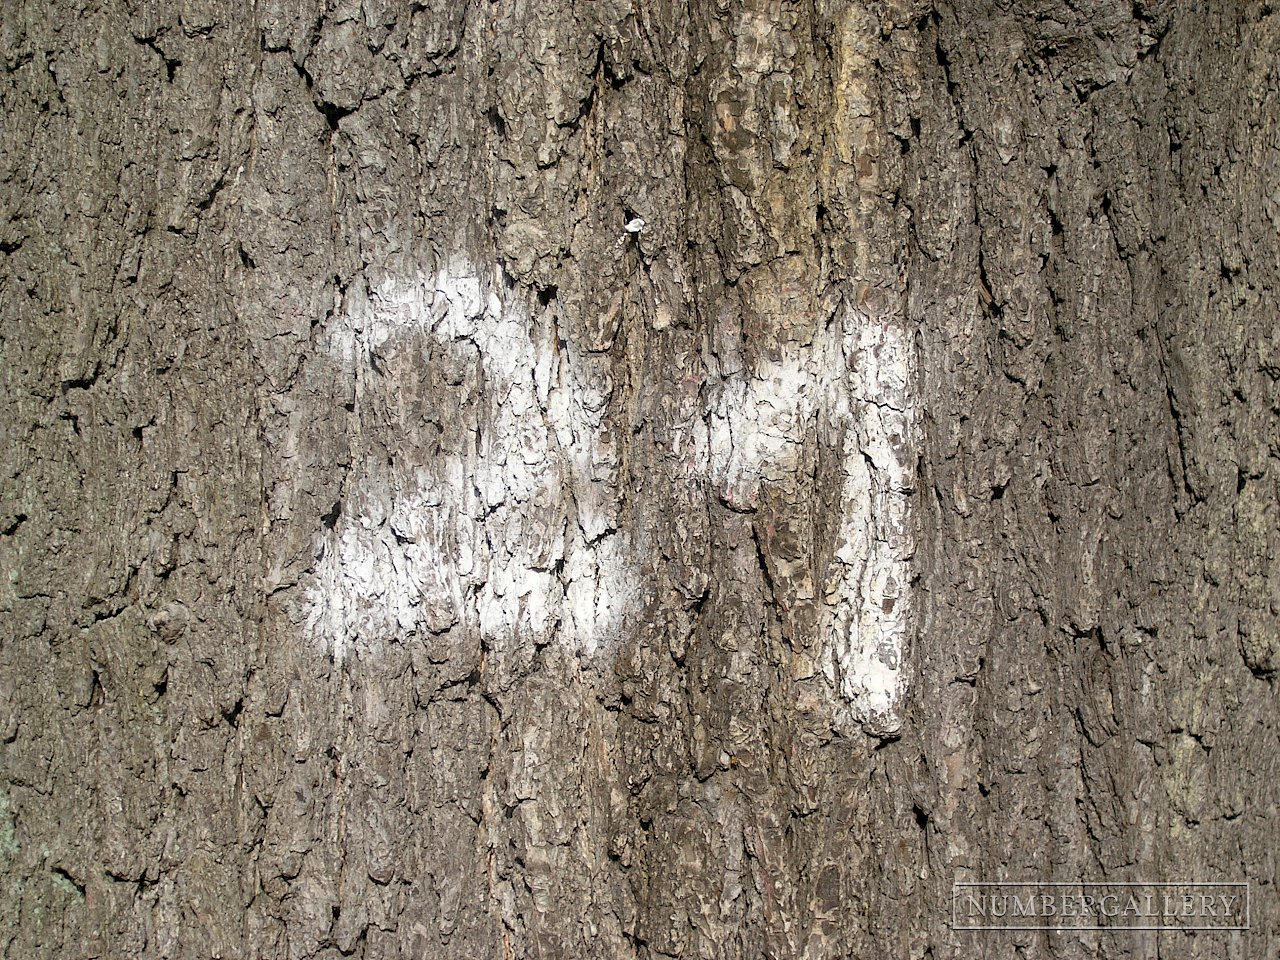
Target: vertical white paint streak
[869, 605]
[511, 537]
[855, 381]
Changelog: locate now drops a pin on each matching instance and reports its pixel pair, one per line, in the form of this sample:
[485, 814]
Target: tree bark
[633, 479]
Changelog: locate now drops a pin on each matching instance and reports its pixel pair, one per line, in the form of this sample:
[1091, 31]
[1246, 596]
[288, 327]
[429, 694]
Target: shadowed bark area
[633, 479]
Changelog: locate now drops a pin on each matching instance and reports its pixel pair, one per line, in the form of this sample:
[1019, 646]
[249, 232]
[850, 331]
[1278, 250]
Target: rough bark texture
[404, 558]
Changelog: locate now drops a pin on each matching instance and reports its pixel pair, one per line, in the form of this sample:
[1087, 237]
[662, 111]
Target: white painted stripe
[477, 538]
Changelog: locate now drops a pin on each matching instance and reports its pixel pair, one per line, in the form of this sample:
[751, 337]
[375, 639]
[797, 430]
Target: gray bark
[404, 558]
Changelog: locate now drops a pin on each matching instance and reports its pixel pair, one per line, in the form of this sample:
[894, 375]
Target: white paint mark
[868, 614]
[513, 531]
[855, 383]
[512, 536]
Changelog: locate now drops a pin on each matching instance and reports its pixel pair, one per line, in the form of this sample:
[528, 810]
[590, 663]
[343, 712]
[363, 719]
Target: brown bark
[409, 553]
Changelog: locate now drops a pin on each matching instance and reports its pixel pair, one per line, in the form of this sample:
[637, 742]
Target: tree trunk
[633, 479]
